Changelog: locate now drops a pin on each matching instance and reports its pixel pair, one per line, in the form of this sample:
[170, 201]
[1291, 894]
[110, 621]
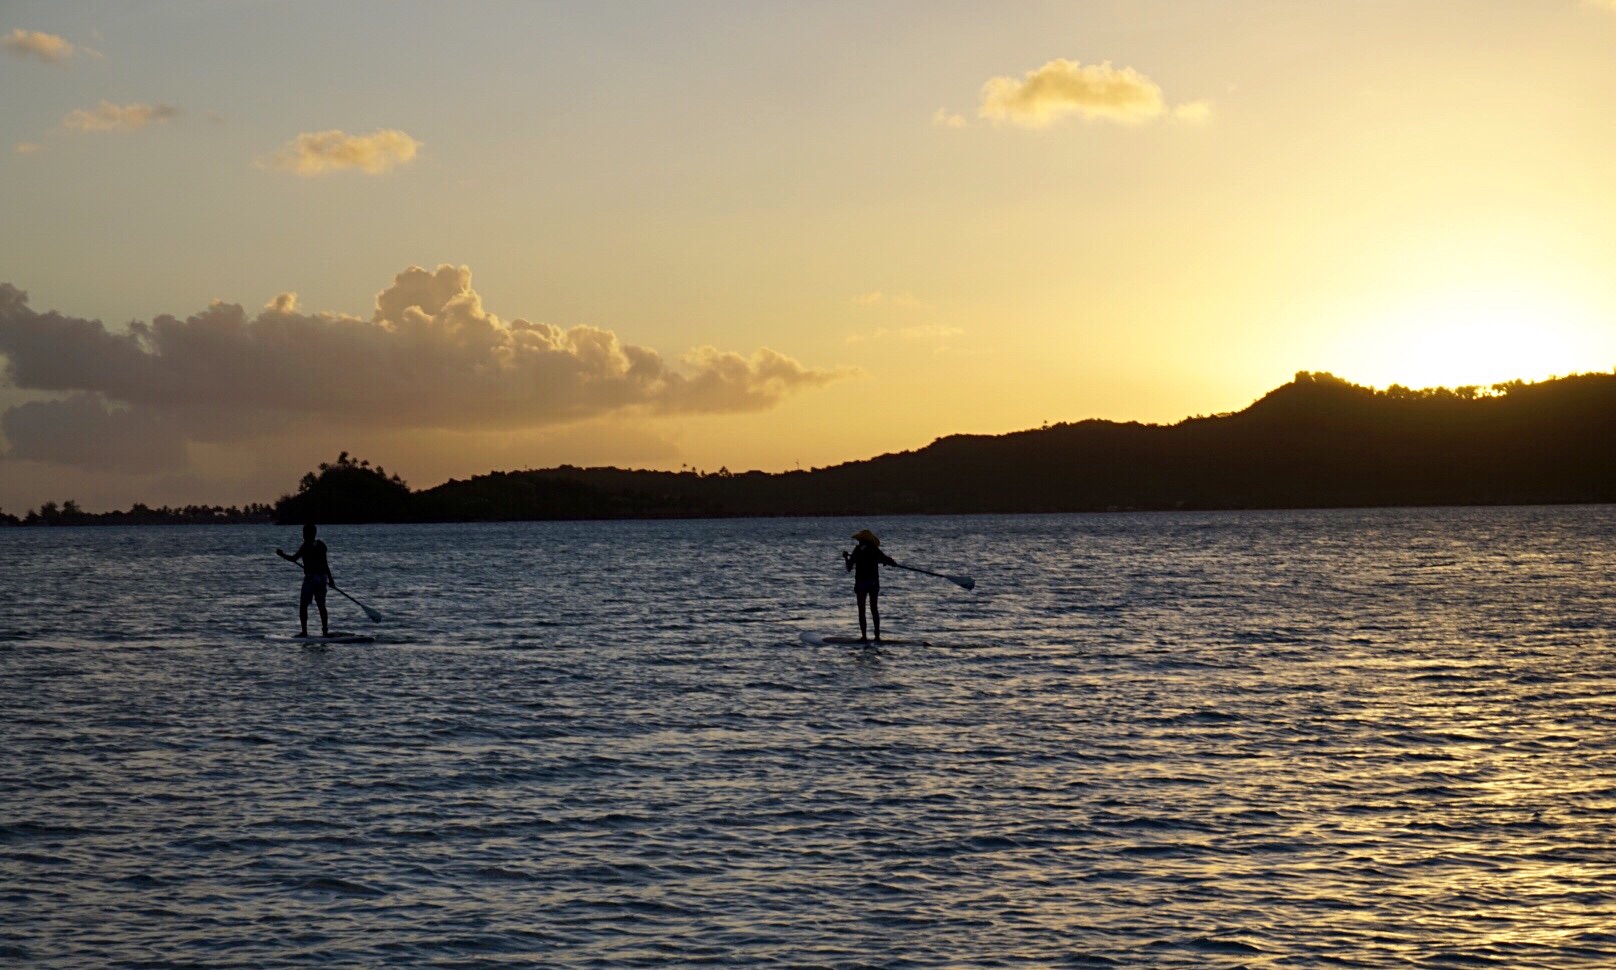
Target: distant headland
[1317, 441]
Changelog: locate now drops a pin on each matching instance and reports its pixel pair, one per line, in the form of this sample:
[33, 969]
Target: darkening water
[1292, 739]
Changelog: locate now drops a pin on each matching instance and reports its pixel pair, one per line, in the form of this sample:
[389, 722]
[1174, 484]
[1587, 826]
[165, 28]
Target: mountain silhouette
[1317, 441]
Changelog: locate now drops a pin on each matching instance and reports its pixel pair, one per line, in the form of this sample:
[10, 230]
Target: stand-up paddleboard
[836, 640]
[335, 636]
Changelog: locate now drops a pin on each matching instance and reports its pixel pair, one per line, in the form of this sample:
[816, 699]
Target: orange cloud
[320, 152]
[1061, 88]
[107, 116]
[429, 358]
[38, 45]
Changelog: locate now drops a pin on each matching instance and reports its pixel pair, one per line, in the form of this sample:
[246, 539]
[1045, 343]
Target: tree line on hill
[69, 513]
[1317, 441]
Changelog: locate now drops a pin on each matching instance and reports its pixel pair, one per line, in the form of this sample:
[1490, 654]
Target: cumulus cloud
[1061, 88]
[107, 116]
[321, 152]
[429, 357]
[38, 45]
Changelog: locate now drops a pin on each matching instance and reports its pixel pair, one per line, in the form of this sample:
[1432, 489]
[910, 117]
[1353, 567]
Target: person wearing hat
[865, 562]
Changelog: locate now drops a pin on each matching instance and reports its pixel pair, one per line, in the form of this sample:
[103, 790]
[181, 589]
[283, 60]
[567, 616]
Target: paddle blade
[964, 582]
[375, 615]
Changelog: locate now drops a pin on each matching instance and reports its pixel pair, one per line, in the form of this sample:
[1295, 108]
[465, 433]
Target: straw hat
[865, 535]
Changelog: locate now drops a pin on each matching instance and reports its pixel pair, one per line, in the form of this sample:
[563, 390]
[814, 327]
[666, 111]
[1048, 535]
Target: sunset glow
[874, 224]
[1482, 334]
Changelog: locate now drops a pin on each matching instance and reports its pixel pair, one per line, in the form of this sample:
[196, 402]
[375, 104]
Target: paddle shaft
[374, 615]
[964, 581]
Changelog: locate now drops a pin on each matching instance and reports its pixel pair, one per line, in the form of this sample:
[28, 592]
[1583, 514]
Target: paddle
[375, 615]
[965, 582]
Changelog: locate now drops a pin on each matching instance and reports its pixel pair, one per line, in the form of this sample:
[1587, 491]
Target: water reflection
[1263, 739]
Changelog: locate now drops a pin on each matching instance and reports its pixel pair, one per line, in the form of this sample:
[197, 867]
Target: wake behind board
[335, 636]
[836, 640]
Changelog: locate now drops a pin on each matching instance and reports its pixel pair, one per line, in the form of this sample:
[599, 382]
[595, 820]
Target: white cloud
[429, 358]
[321, 152]
[107, 116]
[1061, 88]
[943, 118]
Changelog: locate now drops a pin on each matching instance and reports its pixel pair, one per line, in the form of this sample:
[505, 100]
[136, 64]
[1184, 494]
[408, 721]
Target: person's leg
[875, 612]
[303, 596]
[325, 621]
[863, 630]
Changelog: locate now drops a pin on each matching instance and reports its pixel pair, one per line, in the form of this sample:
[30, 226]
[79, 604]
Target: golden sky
[456, 238]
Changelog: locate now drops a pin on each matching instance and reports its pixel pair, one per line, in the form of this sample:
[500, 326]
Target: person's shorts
[313, 589]
[870, 586]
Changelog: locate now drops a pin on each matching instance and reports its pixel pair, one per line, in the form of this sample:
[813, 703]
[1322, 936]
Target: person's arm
[329, 578]
[847, 560]
[886, 559]
[293, 557]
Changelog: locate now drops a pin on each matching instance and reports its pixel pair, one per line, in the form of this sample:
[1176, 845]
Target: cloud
[1200, 112]
[38, 45]
[1061, 88]
[942, 118]
[429, 357]
[28, 147]
[320, 152]
[107, 116]
[922, 332]
[82, 430]
[901, 301]
[1601, 4]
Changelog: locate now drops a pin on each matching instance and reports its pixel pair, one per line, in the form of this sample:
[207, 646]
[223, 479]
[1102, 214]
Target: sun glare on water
[1480, 336]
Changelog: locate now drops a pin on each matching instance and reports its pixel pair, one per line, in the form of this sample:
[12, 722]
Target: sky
[242, 236]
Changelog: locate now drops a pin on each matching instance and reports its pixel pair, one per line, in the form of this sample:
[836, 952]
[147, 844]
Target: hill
[1316, 442]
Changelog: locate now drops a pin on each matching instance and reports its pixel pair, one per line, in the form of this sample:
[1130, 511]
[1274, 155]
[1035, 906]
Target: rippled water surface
[1361, 738]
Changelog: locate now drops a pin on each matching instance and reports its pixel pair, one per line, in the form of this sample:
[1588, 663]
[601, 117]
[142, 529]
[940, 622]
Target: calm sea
[1262, 739]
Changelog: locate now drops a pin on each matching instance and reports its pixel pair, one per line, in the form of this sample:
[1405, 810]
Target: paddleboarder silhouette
[316, 576]
[865, 562]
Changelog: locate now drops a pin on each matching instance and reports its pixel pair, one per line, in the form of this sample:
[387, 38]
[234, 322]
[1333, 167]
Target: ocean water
[1259, 739]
